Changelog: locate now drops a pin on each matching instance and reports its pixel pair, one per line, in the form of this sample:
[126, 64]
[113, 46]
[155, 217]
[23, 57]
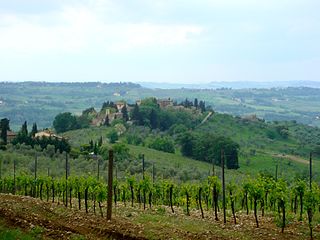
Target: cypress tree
[135, 114]
[124, 112]
[100, 142]
[4, 127]
[106, 121]
[24, 129]
[34, 130]
[153, 119]
[195, 103]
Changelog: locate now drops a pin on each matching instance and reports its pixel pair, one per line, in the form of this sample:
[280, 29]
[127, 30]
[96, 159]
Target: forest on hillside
[41, 101]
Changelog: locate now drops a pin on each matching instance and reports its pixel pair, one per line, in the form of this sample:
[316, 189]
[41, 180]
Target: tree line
[28, 138]
[24, 137]
[149, 113]
[207, 147]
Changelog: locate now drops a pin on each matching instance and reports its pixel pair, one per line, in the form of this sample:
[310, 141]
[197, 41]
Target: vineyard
[264, 196]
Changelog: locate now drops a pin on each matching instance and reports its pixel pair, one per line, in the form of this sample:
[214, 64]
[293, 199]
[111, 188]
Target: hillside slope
[262, 147]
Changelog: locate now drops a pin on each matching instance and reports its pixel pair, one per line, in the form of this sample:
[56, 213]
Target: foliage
[207, 147]
[113, 136]
[151, 115]
[121, 151]
[64, 122]
[108, 104]
[187, 141]
[28, 139]
[162, 144]
[34, 130]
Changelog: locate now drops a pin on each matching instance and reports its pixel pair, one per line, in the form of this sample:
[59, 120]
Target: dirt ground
[292, 158]
[58, 222]
[61, 223]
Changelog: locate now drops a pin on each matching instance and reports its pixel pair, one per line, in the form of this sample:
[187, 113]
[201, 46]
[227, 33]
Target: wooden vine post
[276, 172]
[35, 166]
[153, 173]
[110, 182]
[98, 163]
[34, 191]
[310, 210]
[223, 188]
[212, 162]
[143, 166]
[66, 179]
[310, 171]
[144, 190]
[14, 176]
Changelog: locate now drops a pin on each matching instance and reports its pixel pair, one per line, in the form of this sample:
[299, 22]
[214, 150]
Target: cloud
[160, 39]
[84, 28]
[152, 35]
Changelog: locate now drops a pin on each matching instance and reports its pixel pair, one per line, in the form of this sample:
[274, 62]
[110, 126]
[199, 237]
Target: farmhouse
[10, 135]
[252, 118]
[47, 134]
[120, 105]
[161, 102]
[164, 102]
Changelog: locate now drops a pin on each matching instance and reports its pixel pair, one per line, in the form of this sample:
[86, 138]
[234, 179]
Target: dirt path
[292, 158]
[206, 118]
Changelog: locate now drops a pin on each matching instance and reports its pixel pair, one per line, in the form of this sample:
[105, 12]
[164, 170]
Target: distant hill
[40, 102]
[233, 85]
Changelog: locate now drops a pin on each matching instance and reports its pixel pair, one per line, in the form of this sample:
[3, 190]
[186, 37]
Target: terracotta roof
[10, 133]
[47, 134]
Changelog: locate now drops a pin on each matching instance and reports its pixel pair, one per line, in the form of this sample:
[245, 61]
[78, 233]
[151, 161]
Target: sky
[174, 41]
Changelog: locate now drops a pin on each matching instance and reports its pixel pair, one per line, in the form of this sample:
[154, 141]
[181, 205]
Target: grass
[252, 165]
[168, 159]
[8, 233]
[161, 226]
[165, 162]
[266, 163]
[83, 136]
[164, 224]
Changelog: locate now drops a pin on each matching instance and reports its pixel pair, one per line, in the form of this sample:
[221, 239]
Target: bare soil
[292, 158]
[61, 223]
[58, 222]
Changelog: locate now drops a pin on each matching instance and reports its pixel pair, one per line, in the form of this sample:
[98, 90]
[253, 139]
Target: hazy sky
[159, 40]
